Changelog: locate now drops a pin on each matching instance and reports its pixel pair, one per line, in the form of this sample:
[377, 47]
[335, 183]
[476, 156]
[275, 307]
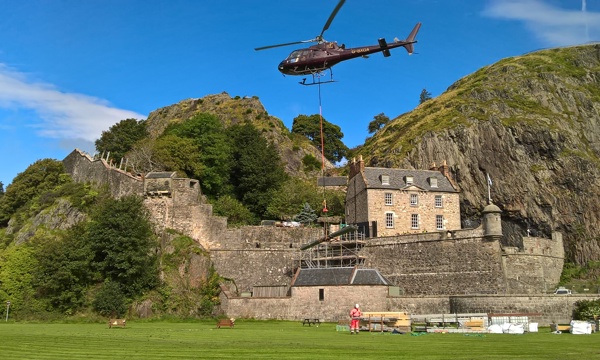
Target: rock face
[533, 124]
[237, 110]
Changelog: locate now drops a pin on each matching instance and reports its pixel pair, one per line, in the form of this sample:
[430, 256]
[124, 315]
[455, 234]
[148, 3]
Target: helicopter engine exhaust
[383, 44]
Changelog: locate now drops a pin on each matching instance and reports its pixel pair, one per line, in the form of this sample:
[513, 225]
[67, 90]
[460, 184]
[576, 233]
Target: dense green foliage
[237, 214]
[587, 309]
[238, 169]
[275, 340]
[121, 137]
[38, 178]
[123, 245]
[208, 155]
[310, 126]
[16, 266]
[110, 301]
[257, 170]
[289, 200]
[61, 278]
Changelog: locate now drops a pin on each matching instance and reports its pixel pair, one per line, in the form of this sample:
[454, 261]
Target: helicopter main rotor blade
[333, 14]
[286, 44]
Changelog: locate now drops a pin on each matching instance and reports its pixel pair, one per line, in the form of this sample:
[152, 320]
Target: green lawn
[275, 340]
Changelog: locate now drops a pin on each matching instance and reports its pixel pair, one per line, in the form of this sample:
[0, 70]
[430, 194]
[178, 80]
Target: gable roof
[338, 276]
[397, 177]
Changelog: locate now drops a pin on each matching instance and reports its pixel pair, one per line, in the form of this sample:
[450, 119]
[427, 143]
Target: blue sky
[70, 69]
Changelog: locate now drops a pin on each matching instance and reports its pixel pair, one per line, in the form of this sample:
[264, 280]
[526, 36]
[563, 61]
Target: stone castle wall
[83, 168]
[304, 303]
[446, 263]
[435, 263]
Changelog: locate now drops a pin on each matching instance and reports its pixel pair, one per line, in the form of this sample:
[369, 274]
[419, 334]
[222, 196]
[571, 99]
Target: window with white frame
[438, 201]
[414, 221]
[389, 220]
[433, 182]
[408, 180]
[414, 199]
[439, 222]
[389, 199]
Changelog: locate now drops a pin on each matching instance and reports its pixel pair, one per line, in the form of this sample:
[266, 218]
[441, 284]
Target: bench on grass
[561, 328]
[225, 322]
[308, 321]
[116, 323]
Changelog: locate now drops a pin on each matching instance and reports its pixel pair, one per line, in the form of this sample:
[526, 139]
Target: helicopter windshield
[296, 55]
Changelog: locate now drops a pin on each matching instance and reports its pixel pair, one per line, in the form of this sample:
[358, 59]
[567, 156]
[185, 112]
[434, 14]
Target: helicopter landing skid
[316, 79]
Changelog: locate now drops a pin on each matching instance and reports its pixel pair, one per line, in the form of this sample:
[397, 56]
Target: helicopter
[318, 58]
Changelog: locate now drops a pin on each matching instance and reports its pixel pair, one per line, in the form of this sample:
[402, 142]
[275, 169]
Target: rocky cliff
[533, 123]
[238, 110]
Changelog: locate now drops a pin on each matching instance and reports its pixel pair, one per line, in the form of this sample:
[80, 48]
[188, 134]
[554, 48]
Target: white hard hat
[356, 305]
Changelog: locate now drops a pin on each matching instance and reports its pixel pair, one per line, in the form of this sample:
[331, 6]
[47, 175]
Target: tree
[310, 126]
[123, 245]
[40, 177]
[110, 301]
[1, 189]
[179, 154]
[214, 151]
[62, 277]
[378, 122]
[295, 192]
[121, 137]
[16, 266]
[307, 215]
[237, 214]
[257, 171]
[425, 95]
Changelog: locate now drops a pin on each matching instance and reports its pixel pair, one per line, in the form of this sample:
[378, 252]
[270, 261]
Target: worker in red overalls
[355, 314]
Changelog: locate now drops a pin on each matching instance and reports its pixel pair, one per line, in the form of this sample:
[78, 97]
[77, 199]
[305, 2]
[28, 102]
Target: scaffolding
[334, 251]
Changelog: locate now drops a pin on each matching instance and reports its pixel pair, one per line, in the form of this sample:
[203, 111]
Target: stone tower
[492, 223]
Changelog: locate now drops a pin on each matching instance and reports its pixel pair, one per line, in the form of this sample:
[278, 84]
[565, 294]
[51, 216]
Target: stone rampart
[439, 263]
[83, 168]
[304, 303]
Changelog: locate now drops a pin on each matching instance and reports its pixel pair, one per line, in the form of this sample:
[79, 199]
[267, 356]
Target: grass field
[275, 340]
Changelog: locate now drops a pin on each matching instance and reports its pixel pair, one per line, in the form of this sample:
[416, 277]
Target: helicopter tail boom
[410, 40]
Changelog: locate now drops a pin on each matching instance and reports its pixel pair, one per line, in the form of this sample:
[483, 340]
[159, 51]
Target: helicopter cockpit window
[297, 55]
[294, 56]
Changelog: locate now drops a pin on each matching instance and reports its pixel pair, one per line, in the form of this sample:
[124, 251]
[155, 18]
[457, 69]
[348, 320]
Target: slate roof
[397, 179]
[339, 276]
[160, 175]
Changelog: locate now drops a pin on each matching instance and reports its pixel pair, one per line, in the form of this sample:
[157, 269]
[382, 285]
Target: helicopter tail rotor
[410, 40]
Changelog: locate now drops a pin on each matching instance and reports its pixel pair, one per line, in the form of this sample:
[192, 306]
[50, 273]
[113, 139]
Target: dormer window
[408, 180]
[433, 182]
[385, 179]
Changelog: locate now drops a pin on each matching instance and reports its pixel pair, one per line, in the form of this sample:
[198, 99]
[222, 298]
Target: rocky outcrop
[237, 110]
[62, 215]
[533, 123]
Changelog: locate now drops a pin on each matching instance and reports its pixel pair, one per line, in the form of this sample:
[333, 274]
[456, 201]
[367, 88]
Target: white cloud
[554, 26]
[61, 115]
